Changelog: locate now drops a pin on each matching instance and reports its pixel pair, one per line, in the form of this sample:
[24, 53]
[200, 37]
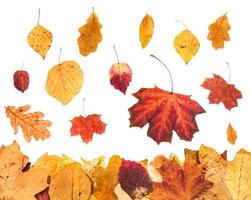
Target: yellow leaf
[71, 182]
[64, 81]
[90, 165]
[186, 45]
[90, 35]
[146, 30]
[40, 40]
[231, 134]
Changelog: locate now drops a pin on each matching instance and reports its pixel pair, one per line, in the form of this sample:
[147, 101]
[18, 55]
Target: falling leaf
[40, 40]
[120, 76]
[165, 112]
[178, 183]
[16, 183]
[221, 91]
[71, 182]
[186, 45]
[31, 124]
[64, 81]
[90, 35]
[146, 30]
[231, 134]
[21, 80]
[87, 126]
[218, 32]
[134, 179]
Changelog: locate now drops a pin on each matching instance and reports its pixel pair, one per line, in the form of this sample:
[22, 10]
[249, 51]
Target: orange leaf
[231, 134]
[87, 126]
[30, 123]
[165, 112]
[221, 91]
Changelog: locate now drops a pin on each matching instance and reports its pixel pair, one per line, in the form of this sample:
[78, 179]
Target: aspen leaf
[146, 30]
[90, 35]
[218, 32]
[31, 124]
[231, 134]
[64, 81]
[40, 40]
[186, 45]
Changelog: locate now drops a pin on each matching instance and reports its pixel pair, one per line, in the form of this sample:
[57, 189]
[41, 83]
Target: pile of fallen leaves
[204, 175]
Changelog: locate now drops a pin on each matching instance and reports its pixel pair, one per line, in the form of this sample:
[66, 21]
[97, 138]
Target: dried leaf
[31, 124]
[40, 40]
[43, 195]
[90, 35]
[231, 134]
[165, 112]
[64, 81]
[221, 91]
[21, 80]
[218, 32]
[146, 30]
[186, 45]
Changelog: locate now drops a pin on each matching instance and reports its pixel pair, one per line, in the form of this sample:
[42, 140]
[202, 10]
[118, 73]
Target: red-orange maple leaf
[165, 112]
[221, 91]
[87, 126]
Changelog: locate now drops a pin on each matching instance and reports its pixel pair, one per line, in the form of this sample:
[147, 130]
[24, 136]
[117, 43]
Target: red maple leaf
[87, 126]
[120, 76]
[21, 80]
[165, 112]
[221, 91]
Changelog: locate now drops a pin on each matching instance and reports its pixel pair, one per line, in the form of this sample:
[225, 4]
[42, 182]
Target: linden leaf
[238, 176]
[231, 134]
[221, 91]
[87, 126]
[178, 183]
[31, 124]
[40, 40]
[120, 76]
[90, 35]
[186, 45]
[64, 81]
[165, 112]
[21, 80]
[15, 182]
[146, 30]
[71, 182]
[218, 32]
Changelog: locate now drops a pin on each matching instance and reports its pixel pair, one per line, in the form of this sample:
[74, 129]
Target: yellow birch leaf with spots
[64, 81]
[146, 30]
[231, 134]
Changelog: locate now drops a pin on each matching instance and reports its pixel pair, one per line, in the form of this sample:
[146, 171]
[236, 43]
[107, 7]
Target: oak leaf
[165, 112]
[221, 91]
[21, 80]
[90, 35]
[146, 30]
[31, 124]
[231, 134]
[64, 81]
[218, 32]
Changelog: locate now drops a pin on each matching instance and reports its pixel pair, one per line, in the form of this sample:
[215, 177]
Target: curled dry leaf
[146, 30]
[221, 91]
[90, 35]
[231, 134]
[186, 45]
[165, 112]
[64, 81]
[218, 32]
[31, 124]
[120, 76]
[40, 40]
[21, 80]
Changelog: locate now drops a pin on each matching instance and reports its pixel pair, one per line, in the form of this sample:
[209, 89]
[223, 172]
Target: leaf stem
[22, 66]
[116, 53]
[182, 23]
[59, 55]
[230, 72]
[166, 69]
[83, 106]
[38, 18]
[92, 9]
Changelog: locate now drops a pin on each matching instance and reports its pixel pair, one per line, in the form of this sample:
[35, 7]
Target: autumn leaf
[90, 35]
[165, 112]
[146, 30]
[64, 81]
[221, 91]
[43, 195]
[71, 182]
[231, 134]
[21, 80]
[16, 183]
[178, 182]
[31, 124]
[218, 32]
[87, 126]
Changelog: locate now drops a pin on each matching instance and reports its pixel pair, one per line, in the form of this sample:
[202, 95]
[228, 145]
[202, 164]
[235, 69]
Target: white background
[120, 21]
